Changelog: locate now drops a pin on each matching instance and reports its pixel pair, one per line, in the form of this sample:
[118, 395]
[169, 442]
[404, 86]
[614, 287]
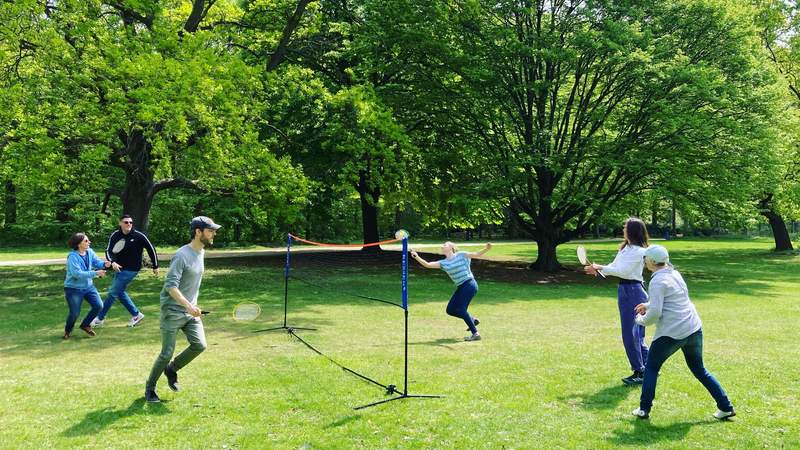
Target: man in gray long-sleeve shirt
[678, 328]
[179, 309]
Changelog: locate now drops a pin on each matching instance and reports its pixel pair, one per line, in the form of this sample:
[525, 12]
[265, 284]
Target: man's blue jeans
[117, 291]
[692, 346]
[74, 299]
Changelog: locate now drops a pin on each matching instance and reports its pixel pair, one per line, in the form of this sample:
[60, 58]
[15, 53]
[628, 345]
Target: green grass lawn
[546, 375]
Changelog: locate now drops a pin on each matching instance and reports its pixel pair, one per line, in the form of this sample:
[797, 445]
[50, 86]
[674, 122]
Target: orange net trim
[373, 244]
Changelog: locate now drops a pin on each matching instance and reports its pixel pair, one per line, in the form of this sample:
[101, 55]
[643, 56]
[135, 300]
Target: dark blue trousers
[692, 347]
[459, 302]
[628, 296]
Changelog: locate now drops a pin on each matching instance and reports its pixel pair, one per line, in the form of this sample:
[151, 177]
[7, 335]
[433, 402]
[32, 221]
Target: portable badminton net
[355, 273]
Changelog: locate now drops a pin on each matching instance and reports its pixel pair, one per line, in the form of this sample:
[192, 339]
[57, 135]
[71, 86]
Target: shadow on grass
[343, 421]
[646, 433]
[442, 342]
[605, 399]
[96, 421]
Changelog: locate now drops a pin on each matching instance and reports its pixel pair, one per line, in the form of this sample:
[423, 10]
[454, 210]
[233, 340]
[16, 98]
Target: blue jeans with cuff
[74, 299]
[692, 346]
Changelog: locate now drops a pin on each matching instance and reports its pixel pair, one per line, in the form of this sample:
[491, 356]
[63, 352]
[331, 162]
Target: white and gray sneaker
[473, 337]
[640, 413]
[97, 323]
[135, 320]
[722, 415]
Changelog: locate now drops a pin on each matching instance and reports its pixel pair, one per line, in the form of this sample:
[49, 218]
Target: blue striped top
[457, 267]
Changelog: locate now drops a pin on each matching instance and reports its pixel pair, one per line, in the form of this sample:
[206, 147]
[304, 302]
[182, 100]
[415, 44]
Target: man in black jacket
[124, 250]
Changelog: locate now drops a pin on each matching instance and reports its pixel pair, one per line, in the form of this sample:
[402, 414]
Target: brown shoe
[89, 331]
[66, 335]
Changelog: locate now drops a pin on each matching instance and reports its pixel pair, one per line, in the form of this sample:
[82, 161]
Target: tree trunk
[369, 213]
[10, 210]
[546, 259]
[137, 196]
[779, 232]
[137, 199]
[674, 218]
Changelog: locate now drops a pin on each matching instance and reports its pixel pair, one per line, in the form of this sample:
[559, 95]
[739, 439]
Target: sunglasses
[127, 221]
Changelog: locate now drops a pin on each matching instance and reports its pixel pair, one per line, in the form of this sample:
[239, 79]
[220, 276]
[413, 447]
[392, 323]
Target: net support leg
[403, 395]
[286, 268]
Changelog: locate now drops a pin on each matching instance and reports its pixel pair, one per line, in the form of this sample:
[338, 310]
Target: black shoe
[172, 379]
[476, 321]
[636, 378]
[150, 396]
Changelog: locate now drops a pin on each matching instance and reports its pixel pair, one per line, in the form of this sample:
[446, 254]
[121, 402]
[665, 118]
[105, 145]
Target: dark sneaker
[476, 321]
[724, 415]
[66, 335]
[640, 413]
[89, 331]
[150, 396]
[172, 379]
[636, 378]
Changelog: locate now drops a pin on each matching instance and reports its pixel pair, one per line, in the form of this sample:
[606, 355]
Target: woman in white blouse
[628, 266]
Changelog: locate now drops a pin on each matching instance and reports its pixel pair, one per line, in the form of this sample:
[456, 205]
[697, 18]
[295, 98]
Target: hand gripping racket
[581, 250]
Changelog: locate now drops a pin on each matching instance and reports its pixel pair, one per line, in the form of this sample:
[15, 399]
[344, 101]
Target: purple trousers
[628, 296]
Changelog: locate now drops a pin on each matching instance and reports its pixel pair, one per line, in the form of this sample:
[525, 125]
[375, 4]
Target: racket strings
[246, 311]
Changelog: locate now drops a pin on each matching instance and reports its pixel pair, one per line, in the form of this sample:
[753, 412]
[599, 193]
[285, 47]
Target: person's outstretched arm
[425, 264]
[481, 252]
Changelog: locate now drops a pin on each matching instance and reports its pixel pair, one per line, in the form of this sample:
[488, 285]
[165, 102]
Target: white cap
[657, 253]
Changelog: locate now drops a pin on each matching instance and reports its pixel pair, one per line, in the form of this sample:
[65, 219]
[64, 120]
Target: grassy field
[546, 374]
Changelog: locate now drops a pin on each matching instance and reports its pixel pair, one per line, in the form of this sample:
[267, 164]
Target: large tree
[574, 105]
[143, 90]
[780, 23]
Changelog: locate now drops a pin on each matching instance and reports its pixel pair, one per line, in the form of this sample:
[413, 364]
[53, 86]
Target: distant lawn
[546, 374]
[34, 253]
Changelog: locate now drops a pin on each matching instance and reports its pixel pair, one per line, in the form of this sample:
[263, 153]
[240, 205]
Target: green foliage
[130, 109]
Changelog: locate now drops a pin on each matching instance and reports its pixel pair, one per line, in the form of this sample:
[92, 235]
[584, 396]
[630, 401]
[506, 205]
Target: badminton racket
[246, 311]
[118, 246]
[581, 251]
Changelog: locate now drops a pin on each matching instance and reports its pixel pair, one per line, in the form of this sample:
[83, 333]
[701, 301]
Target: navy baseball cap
[203, 222]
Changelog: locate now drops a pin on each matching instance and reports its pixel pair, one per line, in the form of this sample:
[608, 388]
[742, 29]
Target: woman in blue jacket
[82, 266]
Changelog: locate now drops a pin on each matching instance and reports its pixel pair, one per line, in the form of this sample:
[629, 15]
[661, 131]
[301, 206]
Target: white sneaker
[640, 413]
[474, 337]
[722, 415]
[135, 320]
[97, 323]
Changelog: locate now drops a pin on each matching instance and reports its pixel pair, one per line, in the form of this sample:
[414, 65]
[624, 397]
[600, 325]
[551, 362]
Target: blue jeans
[459, 302]
[628, 296]
[692, 346]
[74, 299]
[117, 291]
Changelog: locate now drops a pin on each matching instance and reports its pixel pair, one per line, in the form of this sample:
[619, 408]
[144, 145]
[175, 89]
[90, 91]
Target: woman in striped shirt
[457, 265]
